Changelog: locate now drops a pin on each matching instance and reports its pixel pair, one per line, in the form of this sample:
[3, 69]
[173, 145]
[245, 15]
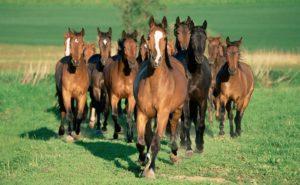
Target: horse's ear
[177, 21]
[190, 23]
[204, 25]
[228, 41]
[123, 34]
[98, 30]
[164, 22]
[151, 22]
[82, 31]
[239, 42]
[109, 31]
[135, 34]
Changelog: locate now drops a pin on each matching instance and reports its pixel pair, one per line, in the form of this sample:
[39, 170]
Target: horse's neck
[177, 46]
[192, 64]
[160, 74]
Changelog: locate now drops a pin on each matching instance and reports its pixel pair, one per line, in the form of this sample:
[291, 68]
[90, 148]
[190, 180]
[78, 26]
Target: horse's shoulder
[142, 73]
[177, 63]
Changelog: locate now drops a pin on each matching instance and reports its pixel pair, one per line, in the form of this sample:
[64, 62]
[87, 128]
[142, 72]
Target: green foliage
[135, 13]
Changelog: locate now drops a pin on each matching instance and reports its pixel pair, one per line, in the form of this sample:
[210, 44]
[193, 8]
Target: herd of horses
[164, 86]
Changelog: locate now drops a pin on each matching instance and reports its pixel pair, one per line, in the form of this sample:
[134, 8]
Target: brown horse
[216, 51]
[143, 50]
[119, 76]
[159, 89]
[191, 42]
[98, 94]
[74, 83]
[234, 83]
[89, 51]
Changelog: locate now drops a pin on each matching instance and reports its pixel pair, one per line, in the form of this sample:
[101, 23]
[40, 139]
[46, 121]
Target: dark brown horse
[234, 83]
[216, 53]
[143, 50]
[98, 94]
[194, 41]
[119, 75]
[73, 83]
[160, 89]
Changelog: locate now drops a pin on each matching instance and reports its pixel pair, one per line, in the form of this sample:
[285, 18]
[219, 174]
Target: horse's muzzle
[75, 63]
[231, 71]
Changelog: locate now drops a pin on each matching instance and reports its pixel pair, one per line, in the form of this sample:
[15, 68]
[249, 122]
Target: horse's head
[198, 41]
[182, 33]
[157, 40]
[104, 43]
[75, 46]
[89, 50]
[233, 54]
[215, 48]
[144, 49]
[128, 47]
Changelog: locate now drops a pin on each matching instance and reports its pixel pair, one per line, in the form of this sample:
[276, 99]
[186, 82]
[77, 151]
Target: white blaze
[76, 40]
[67, 52]
[157, 36]
[104, 41]
[145, 45]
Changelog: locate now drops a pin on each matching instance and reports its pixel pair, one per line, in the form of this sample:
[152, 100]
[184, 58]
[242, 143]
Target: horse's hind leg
[105, 102]
[230, 117]
[61, 130]
[174, 124]
[200, 126]
[130, 122]
[114, 106]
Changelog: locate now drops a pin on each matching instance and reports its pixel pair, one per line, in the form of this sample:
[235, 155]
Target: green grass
[268, 25]
[31, 153]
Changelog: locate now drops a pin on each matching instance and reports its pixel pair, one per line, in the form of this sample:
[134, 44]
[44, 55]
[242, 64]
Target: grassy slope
[30, 152]
[264, 26]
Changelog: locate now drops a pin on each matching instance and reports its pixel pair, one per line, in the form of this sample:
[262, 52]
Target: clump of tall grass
[35, 73]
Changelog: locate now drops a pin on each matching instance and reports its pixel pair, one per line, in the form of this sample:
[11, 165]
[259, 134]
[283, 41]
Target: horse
[97, 89]
[191, 41]
[73, 84]
[143, 51]
[234, 83]
[89, 51]
[119, 75]
[216, 53]
[159, 89]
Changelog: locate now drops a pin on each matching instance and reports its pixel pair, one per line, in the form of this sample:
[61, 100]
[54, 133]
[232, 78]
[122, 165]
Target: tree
[135, 13]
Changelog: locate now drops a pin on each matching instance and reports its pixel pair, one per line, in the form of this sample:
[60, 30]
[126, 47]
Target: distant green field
[30, 152]
[263, 25]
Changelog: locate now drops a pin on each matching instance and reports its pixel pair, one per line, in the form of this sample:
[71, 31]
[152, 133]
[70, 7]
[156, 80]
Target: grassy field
[31, 153]
[268, 25]
[267, 152]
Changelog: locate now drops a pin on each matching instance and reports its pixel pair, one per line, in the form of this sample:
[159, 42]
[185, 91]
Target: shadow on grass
[39, 134]
[115, 152]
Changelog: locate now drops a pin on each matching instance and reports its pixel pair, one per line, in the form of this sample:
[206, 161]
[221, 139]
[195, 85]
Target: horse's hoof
[149, 173]
[221, 133]
[199, 149]
[118, 129]
[174, 158]
[189, 153]
[233, 135]
[104, 129]
[92, 123]
[77, 137]
[69, 139]
[115, 136]
[61, 131]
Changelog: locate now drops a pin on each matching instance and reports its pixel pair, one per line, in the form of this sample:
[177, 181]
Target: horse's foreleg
[141, 124]
[69, 114]
[162, 119]
[105, 102]
[92, 109]
[223, 102]
[174, 122]
[62, 110]
[81, 102]
[130, 122]
[238, 120]
[200, 126]
[230, 117]
[114, 106]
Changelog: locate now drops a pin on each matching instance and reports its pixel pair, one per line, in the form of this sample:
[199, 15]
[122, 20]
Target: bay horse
[216, 57]
[143, 51]
[119, 75]
[73, 85]
[192, 44]
[97, 89]
[234, 83]
[159, 89]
